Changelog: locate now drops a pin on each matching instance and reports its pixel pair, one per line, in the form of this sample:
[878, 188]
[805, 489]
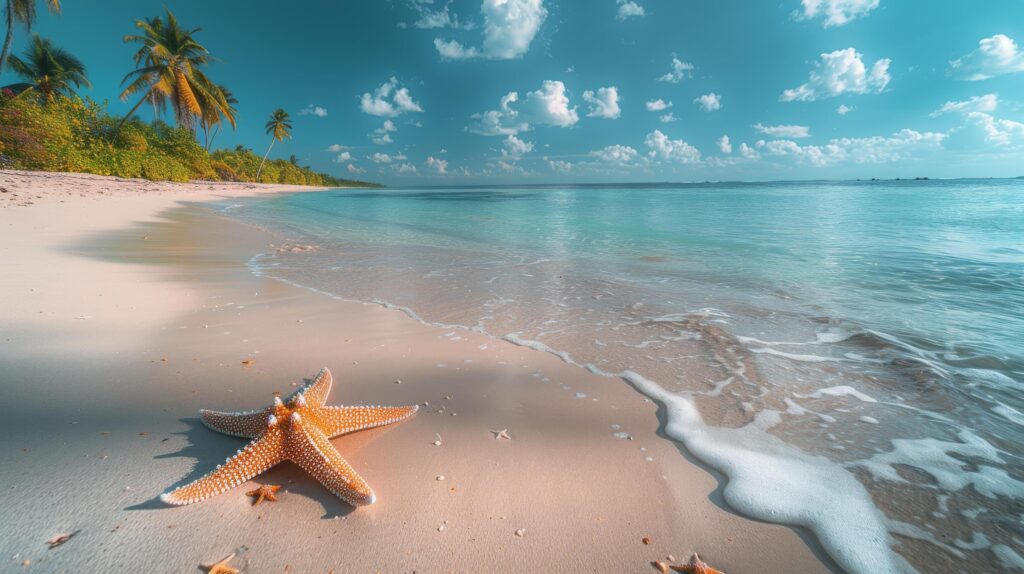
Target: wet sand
[128, 313]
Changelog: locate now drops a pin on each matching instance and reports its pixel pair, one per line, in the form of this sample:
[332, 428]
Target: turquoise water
[875, 327]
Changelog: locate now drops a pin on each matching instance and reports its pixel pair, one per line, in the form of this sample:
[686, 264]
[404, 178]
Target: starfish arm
[311, 450]
[317, 391]
[336, 421]
[256, 457]
[248, 424]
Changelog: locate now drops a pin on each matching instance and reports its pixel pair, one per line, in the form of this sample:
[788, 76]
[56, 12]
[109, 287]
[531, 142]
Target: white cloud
[434, 19]
[995, 56]
[509, 28]
[550, 105]
[438, 164]
[628, 8]
[671, 150]
[559, 165]
[997, 131]
[784, 131]
[335, 148]
[901, 145]
[378, 104]
[603, 104]
[343, 157]
[499, 122]
[709, 102]
[381, 158]
[668, 118]
[844, 109]
[353, 169]
[840, 72]
[382, 135]
[405, 168]
[399, 157]
[748, 152]
[615, 154]
[680, 69]
[312, 110]
[986, 103]
[723, 145]
[657, 105]
[515, 148]
[836, 12]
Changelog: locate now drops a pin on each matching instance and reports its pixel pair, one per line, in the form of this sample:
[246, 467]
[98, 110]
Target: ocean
[850, 355]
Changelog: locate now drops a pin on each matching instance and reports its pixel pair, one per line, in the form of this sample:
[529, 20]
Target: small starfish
[222, 567]
[696, 566]
[500, 434]
[298, 430]
[264, 492]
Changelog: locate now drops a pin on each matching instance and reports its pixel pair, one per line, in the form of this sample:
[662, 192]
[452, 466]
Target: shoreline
[585, 498]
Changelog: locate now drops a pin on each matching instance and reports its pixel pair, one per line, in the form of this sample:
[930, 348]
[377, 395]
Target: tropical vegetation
[46, 125]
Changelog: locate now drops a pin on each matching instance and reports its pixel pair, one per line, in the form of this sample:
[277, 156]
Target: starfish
[298, 429]
[264, 492]
[222, 567]
[696, 566]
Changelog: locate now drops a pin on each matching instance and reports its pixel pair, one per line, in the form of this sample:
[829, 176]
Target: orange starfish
[298, 430]
[696, 566]
[264, 492]
[222, 567]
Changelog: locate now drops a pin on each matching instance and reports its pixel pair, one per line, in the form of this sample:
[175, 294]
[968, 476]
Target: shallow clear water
[869, 329]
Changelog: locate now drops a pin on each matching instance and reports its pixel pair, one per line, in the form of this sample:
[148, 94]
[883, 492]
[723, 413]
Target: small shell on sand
[521, 532]
[440, 477]
[660, 566]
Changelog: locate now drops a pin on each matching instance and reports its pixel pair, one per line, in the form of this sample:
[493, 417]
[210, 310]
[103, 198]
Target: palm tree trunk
[260, 170]
[213, 136]
[128, 116]
[10, 35]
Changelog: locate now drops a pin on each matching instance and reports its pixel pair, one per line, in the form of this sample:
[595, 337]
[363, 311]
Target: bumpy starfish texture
[222, 567]
[298, 429]
[696, 566]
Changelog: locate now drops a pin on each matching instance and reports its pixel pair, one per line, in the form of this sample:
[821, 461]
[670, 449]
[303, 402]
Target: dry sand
[123, 316]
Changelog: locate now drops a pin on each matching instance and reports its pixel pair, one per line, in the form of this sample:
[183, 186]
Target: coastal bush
[76, 135]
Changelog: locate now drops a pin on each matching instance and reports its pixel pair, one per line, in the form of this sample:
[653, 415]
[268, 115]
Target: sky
[465, 92]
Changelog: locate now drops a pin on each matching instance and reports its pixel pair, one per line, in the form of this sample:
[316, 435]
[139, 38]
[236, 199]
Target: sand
[129, 306]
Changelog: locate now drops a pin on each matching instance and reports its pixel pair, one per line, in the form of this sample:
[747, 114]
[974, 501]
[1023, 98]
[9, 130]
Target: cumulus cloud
[836, 12]
[405, 168]
[986, 103]
[657, 105]
[844, 109]
[723, 145]
[550, 105]
[661, 147]
[628, 8]
[901, 145]
[500, 122]
[379, 157]
[668, 118]
[343, 157]
[354, 169]
[680, 69]
[388, 100]
[840, 72]
[749, 152]
[709, 102]
[312, 110]
[784, 131]
[559, 165]
[995, 56]
[515, 148]
[335, 148]
[603, 104]
[382, 135]
[509, 28]
[1001, 132]
[616, 154]
[434, 19]
[439, 165]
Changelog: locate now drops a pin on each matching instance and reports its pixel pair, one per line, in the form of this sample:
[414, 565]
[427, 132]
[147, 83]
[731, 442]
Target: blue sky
[505, 91]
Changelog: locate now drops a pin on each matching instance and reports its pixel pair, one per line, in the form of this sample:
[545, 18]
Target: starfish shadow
[207, 447]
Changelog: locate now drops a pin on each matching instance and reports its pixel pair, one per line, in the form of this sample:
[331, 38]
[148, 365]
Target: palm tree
[47, 69]
[23, 11]
[213, 120]
[279, 127]
[168, 71]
